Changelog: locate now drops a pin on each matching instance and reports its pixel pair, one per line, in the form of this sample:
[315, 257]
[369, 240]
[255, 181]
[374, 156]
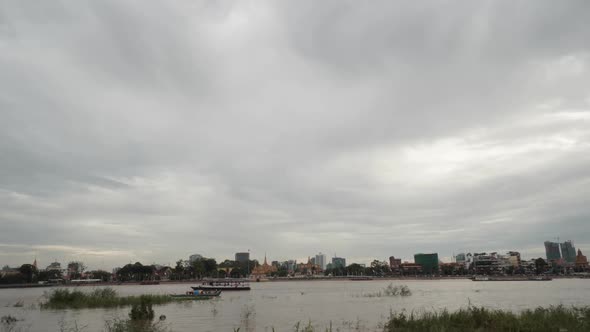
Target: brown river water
[281, 305]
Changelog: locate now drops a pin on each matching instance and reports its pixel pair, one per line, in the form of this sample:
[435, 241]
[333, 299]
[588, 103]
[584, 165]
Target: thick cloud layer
[133, 130]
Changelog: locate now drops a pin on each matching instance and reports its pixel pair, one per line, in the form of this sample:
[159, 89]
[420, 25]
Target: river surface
[281, 305]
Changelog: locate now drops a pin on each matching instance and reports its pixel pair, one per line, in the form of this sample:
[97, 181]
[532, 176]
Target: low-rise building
[452, 268]
[263, 270]
[309, 268]
[484, 263]
[55, 266]
[514, 258]
[8, 271]
[581, 261]
[394, 264]
[410, 268]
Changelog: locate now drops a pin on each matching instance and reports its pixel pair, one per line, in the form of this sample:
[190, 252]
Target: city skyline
[366, 130]
[240, 257]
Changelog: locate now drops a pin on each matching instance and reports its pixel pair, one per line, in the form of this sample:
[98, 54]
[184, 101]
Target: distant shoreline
[181, 282]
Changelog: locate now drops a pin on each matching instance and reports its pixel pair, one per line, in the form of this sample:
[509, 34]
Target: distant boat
[224, 285]
[486, 278]
[149, 282]
[360, 278]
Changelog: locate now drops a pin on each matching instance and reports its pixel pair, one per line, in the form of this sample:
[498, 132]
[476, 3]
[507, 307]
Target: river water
[281, 305]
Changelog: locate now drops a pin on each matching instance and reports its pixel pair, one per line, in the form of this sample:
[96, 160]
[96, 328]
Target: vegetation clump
[554, 318]
[140, 319]
[8, 319]
[142, 311]
[391, 290]
[63, 298]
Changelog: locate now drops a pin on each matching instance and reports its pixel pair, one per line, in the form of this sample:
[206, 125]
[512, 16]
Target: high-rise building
[552, 251]
[568, 251]
[429, 262]
[460, 258]
[291, 265]
[338, 262]
[320, 259]
[242, 257]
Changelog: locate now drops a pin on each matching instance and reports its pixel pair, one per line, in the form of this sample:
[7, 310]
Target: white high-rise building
[320, 259]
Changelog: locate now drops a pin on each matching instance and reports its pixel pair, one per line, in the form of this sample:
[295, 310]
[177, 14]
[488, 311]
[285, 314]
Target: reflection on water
[283, 305]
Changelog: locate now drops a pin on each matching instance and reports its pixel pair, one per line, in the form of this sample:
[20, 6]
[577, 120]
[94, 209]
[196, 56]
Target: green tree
[379, 268]
[102, 275]
[13, 278]
[179, 269]
[354, 269]
[198, 268]
[76, 269]
[48, 275]
[447, 270]
[221, 274]
[237, 272]
[29, 271]
[210, 265]
[540, 265]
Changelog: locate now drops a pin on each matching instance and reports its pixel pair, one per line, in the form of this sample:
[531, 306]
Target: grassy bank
[558, 318]
[64, 298]
[470, 319]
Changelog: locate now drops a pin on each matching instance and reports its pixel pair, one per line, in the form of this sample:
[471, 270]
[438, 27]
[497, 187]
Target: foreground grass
[64, 298]
[558, 318]
[471, 319]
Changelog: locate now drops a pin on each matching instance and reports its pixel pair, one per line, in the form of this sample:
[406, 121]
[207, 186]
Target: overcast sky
[148, 131]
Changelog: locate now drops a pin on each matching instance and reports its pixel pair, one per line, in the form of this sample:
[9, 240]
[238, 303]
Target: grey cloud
[367, 130]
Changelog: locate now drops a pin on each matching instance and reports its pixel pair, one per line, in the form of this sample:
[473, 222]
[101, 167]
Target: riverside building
[242, 257]
[568, 252]
[429, 262]
[552, 251]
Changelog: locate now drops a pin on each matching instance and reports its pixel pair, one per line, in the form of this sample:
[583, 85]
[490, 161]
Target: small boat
[360, 278]
[486, 278]
[223, 285]
[204, 294]
[149, 282]
[540, 278]
[480, 278]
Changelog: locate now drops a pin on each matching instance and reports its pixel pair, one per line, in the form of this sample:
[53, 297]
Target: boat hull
[221, 288]
[190, 295]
